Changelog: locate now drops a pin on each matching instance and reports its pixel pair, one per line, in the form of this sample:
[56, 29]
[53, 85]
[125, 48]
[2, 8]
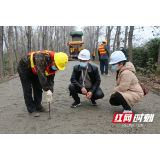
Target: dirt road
[86, 119]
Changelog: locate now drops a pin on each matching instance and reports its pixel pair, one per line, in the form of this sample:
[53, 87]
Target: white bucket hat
[84, 54]
[116, 57]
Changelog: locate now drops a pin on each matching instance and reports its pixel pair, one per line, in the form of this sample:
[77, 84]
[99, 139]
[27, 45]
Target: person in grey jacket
[103, 53]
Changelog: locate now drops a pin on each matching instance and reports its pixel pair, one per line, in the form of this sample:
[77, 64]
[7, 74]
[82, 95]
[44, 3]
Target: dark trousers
[104, 62]
[118, 100]
[29, 82]
[74, 93]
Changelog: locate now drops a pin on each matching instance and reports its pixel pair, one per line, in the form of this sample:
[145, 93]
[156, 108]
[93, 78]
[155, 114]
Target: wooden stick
[49, 111]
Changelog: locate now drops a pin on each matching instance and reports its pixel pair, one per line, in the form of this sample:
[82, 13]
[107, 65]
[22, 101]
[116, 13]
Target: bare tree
[159, 57]
[17, 47]
[28, 34]
[50, 38]
[1, 53]
[23, 47]
[118, 35]
[29, 38]
[114, 43]
[10, 30]
[130, 43]
[5, 39]
[64, 38]
[125, 39]
[109, 36]
[38, 33]
[97, 37]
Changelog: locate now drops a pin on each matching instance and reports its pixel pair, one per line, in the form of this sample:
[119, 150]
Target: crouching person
[85, 80]
[36, 71]
[127, 91]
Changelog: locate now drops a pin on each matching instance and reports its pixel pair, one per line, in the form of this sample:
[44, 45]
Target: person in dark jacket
[103, 53]
[124, 51]
[37, 70]
[85, 80]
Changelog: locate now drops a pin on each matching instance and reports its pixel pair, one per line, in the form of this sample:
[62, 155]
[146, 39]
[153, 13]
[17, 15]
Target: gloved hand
[49, 95]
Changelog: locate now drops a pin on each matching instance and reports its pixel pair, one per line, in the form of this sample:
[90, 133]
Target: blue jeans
[104, 62]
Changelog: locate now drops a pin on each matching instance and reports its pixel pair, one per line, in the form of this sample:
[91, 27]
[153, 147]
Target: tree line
[16, 41]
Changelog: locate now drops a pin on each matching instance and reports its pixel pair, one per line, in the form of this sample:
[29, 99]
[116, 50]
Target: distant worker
[124, 51]
[37, 71]
[103, 53]
[93, 56]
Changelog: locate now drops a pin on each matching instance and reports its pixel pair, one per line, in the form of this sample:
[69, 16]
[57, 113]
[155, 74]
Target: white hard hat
[84, 54]
[116, 57]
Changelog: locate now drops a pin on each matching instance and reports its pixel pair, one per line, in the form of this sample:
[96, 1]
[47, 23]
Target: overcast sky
[145, 34]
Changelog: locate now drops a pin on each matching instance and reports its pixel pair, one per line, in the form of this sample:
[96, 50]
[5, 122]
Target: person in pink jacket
[127, 91]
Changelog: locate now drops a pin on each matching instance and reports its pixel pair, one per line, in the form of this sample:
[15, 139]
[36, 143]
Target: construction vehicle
[75, 46]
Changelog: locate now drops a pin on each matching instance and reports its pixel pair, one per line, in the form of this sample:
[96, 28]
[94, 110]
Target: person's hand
[89, 95]
[49, 95]
[84, 91]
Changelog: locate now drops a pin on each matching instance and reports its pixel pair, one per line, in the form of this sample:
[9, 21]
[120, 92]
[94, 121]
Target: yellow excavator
[76, 45]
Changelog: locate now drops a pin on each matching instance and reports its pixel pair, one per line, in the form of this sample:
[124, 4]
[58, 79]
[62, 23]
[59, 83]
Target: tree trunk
[159, 57]
[17, 48]
[10, 30]
[125, 39]
[29, 39]
[106, 32]
[118, 35]
[46, 38]
[57, 38]
[1, 53]
[64, 38]
[97, 37]
[114, 43]
[51, 36]
[109, 36]
[38, 30]
[5, 41]
[130, 43]
[22, 42]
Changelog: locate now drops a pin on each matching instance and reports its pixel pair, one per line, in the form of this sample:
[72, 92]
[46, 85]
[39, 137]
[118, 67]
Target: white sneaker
[127, 111]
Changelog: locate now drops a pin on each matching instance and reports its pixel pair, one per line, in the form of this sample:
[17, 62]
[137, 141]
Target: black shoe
[93, 102]
[75, 104]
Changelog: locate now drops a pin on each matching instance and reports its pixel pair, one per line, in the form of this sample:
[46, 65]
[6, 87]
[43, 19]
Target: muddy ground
[85, 119]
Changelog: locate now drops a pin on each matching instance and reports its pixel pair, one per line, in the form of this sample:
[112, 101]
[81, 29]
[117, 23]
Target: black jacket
[93, 75]
[123, 50]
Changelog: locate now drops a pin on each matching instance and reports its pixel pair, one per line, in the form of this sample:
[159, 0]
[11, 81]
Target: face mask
[114, 67]
[54, 68]
[120, 49]
[83, 64]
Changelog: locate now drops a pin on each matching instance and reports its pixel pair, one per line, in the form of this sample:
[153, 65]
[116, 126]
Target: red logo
[83, 55]
[123, 118]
